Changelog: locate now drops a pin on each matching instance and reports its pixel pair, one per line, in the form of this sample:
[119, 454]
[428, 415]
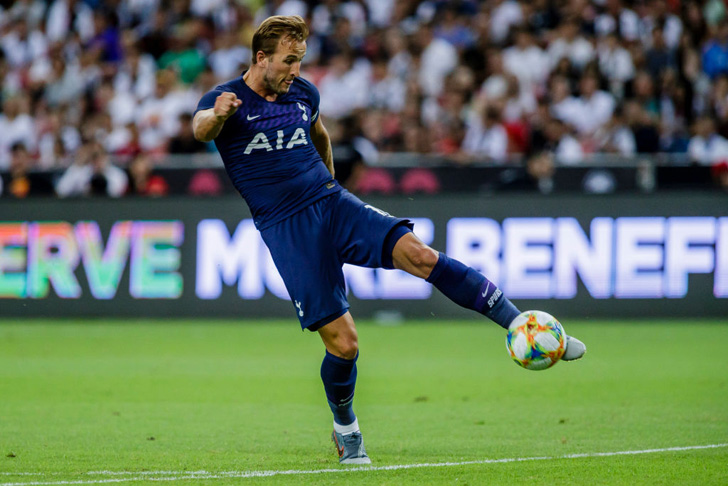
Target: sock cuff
[347, 429]
[341, 361]
[440, 266]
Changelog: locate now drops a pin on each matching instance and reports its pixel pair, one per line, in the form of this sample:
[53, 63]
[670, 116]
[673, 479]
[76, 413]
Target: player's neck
[254, 79]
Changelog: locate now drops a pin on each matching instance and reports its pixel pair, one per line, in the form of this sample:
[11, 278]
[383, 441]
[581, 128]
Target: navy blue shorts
[310, 248]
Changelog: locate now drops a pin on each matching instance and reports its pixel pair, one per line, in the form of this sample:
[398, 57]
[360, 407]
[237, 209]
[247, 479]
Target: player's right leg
[308, 261]
[338, 372]
[460, 283]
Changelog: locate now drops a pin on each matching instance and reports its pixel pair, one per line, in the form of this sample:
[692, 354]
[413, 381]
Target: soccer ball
[536, 340]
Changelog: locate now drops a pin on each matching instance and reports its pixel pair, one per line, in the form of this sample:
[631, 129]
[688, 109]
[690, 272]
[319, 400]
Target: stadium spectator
[719, 171]
[615, 137]
[387, 91]
[16, 126]
[486, 137]
[715, 53]
[348, 160]
[438, 58]
[229, 57]
[706, 147]
[158, 115]
[527, 62]
[22, 181]
[345, 87]
[617, 19]
[592, 109]
[643, 126]
[183, 56]
[134, 81]
[57, 140]
[184, 142]
[659, 57]
[21, 46]
[540, 169]
[570, 44]
[65, 17]
[615, 64]
[661, 17]
[562, 143]
[504, 15]
[405, 71]
[92, 175]
[142, 179]
[106, 41]
[453, 28]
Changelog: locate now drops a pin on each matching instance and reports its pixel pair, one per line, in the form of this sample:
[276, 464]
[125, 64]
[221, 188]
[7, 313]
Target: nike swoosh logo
[485, 292]
[339, 448]
[252, 117]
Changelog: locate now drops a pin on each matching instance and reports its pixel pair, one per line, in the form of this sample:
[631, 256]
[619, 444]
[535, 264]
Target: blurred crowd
[85, 82]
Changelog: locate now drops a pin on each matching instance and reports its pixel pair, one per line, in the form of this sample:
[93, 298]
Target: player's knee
[423, 257]
[347, 348]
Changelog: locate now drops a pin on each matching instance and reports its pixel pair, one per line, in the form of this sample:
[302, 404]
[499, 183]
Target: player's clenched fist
[226, 104]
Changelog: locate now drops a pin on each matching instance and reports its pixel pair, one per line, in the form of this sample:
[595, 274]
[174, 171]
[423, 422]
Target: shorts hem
[318, 324]
[386, 261]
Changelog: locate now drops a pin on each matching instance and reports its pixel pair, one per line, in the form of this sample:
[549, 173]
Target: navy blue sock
[470, 289]
[339, 377]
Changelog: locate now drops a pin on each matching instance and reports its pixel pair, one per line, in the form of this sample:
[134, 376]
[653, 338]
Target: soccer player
[276, 150]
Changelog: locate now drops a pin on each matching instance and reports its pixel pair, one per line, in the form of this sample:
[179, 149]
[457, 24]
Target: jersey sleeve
[208, 100]
[314, 98]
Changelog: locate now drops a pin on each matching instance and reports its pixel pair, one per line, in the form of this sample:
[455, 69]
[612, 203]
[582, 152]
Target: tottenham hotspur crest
[303, 109]
[300, 310]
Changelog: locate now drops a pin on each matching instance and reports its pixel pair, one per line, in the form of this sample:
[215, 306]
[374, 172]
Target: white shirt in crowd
[671, 31]
[616, 64]
[579, 51]
[21, 52]
[20, 129]
[529, 65]
[503, 17]
[137, 80]
[629, 24]
[708, 150]
[158, 118]
[569, 151]
[481, 141]
[226, 63]
[380, 12]
[76, 181]
[58, 23]
[389, 93]
[623, 140]
[437, 61]
[587, 115]
[341, 94]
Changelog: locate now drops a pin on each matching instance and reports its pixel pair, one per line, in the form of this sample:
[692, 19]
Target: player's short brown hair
[270, 32]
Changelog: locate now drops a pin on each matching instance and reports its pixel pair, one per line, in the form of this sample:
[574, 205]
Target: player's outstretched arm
[207, 124]
[322, 142]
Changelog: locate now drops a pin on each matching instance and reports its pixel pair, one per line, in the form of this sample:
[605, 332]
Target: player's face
[284, 66]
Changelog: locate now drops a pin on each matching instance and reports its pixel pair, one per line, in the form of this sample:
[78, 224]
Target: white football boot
[575, 349]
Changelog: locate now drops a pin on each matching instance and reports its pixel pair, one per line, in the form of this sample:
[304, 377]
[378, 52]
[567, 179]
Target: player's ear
[261, 59]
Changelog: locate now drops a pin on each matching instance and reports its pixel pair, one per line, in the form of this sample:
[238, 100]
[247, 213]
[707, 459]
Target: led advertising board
[661, 255]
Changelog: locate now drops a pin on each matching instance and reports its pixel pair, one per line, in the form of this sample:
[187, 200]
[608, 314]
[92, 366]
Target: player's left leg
[338, 372]
[462, 284]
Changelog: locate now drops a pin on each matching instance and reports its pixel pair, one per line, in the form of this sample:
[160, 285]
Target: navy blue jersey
[267, 150]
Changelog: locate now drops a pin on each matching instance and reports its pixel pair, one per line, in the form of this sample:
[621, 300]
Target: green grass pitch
[113, 402]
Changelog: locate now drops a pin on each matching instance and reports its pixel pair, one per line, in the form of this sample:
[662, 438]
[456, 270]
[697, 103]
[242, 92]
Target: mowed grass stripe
[182, 476]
